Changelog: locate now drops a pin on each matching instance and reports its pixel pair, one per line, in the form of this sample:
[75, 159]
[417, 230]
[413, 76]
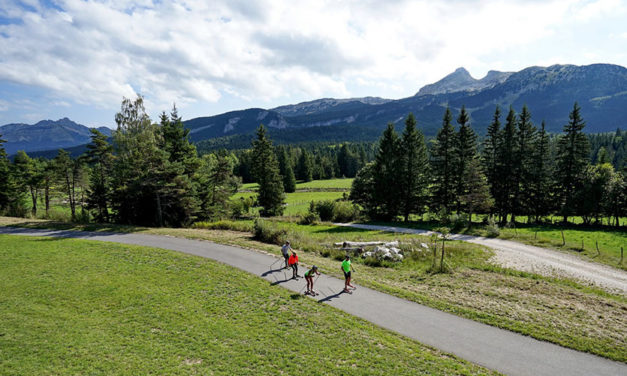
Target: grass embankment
[83, 307]
[556, 310]
[609, 240]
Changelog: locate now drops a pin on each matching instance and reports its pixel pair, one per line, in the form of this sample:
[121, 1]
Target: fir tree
[266, 171]
[506, 155]
[523, 167]
[572, 158]
[540, 185]
[386, 175]
[443, 165]
[100, 157]
[305, 167]
[465, 151]
[490, 151]
[5, 178]
[414, 169]
[476, 197]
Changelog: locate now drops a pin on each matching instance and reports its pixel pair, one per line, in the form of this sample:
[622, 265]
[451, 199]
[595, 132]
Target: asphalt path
[497, 349]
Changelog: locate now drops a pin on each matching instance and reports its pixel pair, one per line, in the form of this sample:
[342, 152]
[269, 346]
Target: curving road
[532, 259]
[494, 348]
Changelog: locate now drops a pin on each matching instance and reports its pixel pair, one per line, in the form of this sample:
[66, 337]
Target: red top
[293, 259]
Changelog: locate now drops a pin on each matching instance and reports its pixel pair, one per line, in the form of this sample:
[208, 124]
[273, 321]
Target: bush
[373, 261]
[225, 225]
[268, 232]
[344, 211]
[309, 219]
[492, 229]
[324, 209]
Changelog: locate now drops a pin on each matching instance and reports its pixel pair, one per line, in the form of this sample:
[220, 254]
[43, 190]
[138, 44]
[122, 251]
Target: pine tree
[476, 197]
[506, 155]
[386, 175]
[443, 165]
[523, 167]
[465, 151]
[362, 190]
[266, 171]
[305, 166]
[5, 178]
[100, 157]
[141, 170]
[572, 158]
[540, 185]
[217, 184]
[490, 152]
[414, 169]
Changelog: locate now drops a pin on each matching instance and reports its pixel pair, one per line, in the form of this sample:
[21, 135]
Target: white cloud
[188, 51]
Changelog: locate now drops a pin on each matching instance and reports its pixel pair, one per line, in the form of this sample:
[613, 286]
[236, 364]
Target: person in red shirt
[293, 262]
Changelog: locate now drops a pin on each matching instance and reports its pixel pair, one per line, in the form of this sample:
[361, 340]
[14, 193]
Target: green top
[346, 265]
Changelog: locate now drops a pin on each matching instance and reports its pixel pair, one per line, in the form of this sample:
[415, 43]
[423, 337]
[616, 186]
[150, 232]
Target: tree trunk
[47, 197]
[442, 258]
[159, 214]
[33, 195]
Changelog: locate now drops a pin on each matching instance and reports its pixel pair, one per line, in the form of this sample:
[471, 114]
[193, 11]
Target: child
[346, 268]
[310, 281]
[293, 262]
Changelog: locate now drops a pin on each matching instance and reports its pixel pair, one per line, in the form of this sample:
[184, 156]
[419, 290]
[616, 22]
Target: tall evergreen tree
[266, 171]
[414, 169]
[506, 155]
[490, 152]
[5, 178]
[541, 200]
[476, 197]
[443, 165]
[217, 185]
[465, 151]
[386, 175]
[305, 166]
[523, 167]
[362, 190]
[286, 170]
[141, 167]
[572, 158]
[100, 157]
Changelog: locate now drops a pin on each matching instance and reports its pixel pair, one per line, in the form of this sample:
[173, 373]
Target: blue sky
[78, 58]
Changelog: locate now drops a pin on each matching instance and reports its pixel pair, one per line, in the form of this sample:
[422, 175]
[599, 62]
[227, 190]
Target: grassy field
[297, 202]
[558, 311]
[82, 307]
[344, 184]
[609, 240]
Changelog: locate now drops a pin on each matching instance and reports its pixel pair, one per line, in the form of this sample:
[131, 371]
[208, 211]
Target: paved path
[532, 259]
[494, 348]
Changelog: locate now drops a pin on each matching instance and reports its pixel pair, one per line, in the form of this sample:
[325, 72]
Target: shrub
[373, 261]
[225, 225]
[324, 209]
[492, 229]
[269, 233]
[344, 211]
[309, 219]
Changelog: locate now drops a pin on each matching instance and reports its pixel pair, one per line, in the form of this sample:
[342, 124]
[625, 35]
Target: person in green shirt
[347, 268]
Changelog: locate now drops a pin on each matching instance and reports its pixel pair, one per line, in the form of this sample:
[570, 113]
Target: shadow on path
[331, 297]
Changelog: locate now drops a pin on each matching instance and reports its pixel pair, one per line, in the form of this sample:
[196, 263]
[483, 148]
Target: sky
[80, 58]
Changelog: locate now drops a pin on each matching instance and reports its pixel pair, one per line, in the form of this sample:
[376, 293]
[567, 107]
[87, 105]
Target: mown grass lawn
[555, 310]
[84, 307]
[327, 184]
[297, 202]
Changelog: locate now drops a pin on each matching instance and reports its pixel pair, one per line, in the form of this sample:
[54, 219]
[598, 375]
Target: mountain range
[549, 92]
[46, 135]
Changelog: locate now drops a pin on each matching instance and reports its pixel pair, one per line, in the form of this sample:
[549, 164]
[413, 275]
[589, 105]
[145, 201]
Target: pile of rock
[385, 253]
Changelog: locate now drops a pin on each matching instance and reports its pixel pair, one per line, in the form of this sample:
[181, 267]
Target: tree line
[150, 174]
[518, 170]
